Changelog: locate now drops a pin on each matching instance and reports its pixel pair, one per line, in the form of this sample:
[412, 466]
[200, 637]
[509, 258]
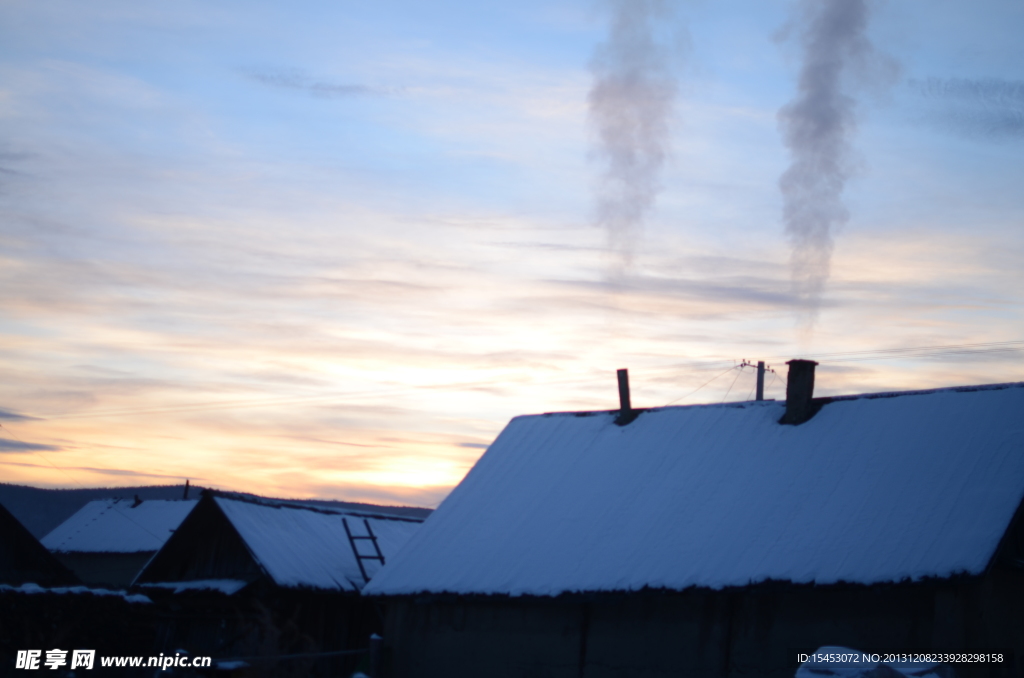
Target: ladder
[372, 538]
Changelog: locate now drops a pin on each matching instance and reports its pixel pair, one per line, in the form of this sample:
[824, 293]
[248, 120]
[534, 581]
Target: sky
[329, 249]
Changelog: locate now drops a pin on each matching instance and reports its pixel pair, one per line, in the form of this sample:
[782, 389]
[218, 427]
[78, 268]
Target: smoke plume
[817, 127]
[631, 105]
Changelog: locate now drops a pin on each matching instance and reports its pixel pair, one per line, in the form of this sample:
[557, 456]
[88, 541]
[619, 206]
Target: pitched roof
[24, 560]
[301, 547]
[295, 546]
[118, 526]
[872, 489]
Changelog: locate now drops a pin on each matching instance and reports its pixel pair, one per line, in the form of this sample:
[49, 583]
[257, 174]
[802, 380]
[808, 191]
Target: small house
[273, 580]
[108, 541]
[723, 540]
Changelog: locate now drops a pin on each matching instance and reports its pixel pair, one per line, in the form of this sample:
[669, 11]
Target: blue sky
[331, 248]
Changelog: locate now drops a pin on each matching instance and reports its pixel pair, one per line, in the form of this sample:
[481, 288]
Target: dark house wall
[205, 546]
[111, 625]
[751, 631]
[110, 570]
[24, 560]
[262, 620]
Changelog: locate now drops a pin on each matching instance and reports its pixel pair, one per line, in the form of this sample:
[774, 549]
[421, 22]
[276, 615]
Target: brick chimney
[799, 392]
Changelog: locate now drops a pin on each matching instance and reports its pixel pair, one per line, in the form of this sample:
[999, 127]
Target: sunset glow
[329, 249]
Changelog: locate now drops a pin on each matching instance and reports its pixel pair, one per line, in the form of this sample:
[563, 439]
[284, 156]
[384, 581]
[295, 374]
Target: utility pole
[760, 380]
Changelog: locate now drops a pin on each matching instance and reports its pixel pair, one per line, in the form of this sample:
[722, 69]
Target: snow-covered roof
[32, 589]
[225, 586]
[872, 489]
[116, 526]
[244, 539]
[308, 548]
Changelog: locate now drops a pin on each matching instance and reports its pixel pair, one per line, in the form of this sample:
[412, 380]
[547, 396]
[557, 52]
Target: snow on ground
[872, 489]
[116, 526]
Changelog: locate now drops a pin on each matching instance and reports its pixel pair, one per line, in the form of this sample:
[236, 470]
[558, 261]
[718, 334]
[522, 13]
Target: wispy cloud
[7, 445]
[298, 80]
[116, 472]
[986, 108]
[8, 415]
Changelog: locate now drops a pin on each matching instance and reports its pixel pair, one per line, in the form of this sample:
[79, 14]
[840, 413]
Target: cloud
[7, 415]
[130, 473]
[18, 446]
[988, 108]
[295, 79]
[478, 446]
[119, 472]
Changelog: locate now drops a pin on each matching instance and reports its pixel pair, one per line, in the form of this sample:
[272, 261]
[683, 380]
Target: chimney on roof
[799, 392]
[626, 412]
[624, 405]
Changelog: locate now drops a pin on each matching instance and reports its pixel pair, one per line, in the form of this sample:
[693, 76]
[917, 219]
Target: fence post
[376, 643]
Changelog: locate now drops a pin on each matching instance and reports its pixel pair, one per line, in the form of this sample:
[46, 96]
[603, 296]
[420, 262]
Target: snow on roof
[115, 526]
[225, 586]
[306, 547]
[78, 590]
[872, 489]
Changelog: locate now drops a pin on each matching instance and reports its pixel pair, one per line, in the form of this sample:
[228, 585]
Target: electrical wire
[703, 385]
[733, 383]
[848, 356]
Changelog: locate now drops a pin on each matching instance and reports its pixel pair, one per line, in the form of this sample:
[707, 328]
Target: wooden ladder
[372, 538]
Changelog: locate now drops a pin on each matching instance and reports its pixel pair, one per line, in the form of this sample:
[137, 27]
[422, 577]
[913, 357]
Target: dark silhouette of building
[23, 560]
[108, 541]
[721, 540]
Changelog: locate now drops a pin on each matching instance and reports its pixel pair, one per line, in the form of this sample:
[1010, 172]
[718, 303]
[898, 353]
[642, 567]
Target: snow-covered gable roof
[115, 526]
[871, 489]
[303, 547]
[245, 539]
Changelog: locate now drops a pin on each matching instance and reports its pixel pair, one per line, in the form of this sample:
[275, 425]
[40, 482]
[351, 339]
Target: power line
[733, 382]
[846, 356]
[704, 384]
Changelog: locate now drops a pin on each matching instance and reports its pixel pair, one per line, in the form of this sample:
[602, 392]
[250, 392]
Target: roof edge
[270, 503]
[761, 403]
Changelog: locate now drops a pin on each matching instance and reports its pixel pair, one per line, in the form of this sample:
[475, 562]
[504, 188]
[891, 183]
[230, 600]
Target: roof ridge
[757, 403]
[270, 503]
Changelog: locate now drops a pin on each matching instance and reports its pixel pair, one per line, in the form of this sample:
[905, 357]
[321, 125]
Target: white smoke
[631, 104]
[817, 127]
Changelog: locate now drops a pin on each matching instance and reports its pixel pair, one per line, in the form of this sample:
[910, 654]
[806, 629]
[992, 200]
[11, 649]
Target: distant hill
[41, 510]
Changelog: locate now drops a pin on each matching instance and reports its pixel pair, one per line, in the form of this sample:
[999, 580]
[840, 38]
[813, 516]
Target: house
[261, 578]
[108, 541]
[23, 560]
[723, 540]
